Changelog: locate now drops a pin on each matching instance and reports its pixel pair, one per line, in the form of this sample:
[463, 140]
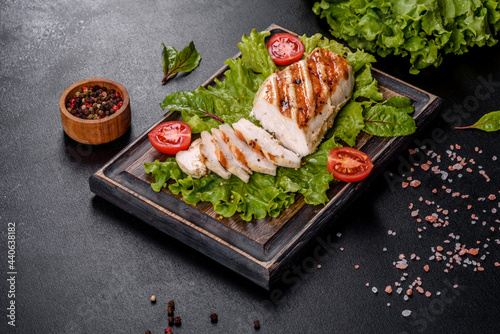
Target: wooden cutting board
[259, 250]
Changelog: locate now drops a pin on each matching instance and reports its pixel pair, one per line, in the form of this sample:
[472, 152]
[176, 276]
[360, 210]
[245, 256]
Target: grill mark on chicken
[322, 82]
[303, 106]
[221, 157]
[284, 103]
[237, 152]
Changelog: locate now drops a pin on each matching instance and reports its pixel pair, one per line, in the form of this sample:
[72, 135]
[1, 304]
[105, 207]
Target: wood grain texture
[100, 131]
[261, 249]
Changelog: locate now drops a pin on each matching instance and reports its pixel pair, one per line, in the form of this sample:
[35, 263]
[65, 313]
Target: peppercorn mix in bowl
[95, 111]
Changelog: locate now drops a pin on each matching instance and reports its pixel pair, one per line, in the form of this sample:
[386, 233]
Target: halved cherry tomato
[348, 164]
[170, 137]
[285, 48]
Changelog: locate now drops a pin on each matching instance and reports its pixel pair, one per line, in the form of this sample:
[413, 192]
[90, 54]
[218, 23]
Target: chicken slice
[244, 153]
[300, 103]
[208, 151]
[226, 158]
[265, 144]
[191, 160]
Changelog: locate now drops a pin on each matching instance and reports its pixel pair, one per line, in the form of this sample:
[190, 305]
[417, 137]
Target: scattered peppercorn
[147, 331]
[256, 324]
[170, 321]
[170, 310]
[177, 321]
[94, 103]
[171, 304]
[153, 299]
[214, 318]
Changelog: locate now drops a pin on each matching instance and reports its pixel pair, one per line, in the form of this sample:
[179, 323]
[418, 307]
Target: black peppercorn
[177, 321]
[171, 303]
[214, 318]
[170, 321]
[147, 331]
[256, 324]
[170, 310]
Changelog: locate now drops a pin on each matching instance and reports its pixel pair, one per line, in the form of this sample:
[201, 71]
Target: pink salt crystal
[415, 183]
[401, 266]
[431, 219]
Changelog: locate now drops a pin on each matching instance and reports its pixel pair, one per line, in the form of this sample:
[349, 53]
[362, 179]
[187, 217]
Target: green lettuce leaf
[162, 172]
[349, 123]
[254, 53]
[424, 30]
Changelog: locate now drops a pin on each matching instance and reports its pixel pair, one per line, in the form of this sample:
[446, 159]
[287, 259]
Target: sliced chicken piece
[226, 158]
[244, 153]
[264, 143]
[191, 160]
[300, 103]
[208, 151]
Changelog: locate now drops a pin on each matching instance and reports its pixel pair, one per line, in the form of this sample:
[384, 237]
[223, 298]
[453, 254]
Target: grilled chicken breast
[208, 151]
[226, 158]
[300, 103]
[241, 151]
[265, 144]
[191, 160]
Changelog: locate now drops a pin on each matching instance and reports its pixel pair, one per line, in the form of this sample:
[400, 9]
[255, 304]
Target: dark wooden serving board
[261, 249]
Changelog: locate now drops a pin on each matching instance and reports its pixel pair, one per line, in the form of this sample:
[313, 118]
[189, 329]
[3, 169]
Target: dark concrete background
[85, 266]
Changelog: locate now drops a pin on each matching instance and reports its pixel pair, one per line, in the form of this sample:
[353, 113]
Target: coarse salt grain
[415, 183]
[406, 313]
[374, 290]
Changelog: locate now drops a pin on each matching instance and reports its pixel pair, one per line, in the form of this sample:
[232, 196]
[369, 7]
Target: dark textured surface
[85, 266]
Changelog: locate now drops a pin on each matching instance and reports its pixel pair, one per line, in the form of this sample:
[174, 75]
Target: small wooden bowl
[99, 131]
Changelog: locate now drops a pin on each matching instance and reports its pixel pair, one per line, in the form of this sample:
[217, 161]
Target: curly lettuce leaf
[424, 30]
[254, 53]
[162, 172]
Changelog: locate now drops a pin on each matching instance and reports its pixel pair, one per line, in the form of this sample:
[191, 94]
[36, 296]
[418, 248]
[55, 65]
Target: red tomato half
[170, 137]
[285, 48]
[348, 164]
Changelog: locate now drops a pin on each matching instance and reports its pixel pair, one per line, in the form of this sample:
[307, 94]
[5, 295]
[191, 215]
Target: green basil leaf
[173, 62]
[387, 121]
[489, 122]
[170, 57]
